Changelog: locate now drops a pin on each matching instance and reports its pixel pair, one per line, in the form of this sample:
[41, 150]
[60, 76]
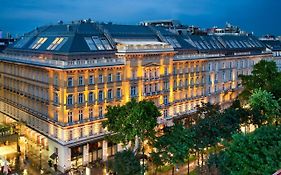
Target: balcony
[143, 46]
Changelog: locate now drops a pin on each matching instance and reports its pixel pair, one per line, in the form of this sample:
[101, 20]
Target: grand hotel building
[58, 79]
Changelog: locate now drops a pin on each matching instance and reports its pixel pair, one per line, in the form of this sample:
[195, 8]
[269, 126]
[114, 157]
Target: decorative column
[86, 154]
[104, 150]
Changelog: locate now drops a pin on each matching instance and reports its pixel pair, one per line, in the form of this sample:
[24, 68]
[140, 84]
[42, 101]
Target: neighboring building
[273, 45]
[58, 79]
[4, 42]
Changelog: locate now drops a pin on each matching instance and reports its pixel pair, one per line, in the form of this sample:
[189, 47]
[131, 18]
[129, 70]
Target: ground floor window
[95, 151]
[76, 156]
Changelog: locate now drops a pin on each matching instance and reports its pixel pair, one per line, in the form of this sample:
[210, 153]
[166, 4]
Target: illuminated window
[57, 43]
[37, 43]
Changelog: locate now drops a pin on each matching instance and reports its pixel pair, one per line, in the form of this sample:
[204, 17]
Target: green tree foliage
[256, 153]
[173, 147]
[134, 119]
[125, 163]
[265, 108]
[205, 110]
[243, 113]
[229, 123]
[265, 76]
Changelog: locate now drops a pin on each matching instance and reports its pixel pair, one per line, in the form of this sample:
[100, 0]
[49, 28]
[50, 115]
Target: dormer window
[57, 43]
[37, 43]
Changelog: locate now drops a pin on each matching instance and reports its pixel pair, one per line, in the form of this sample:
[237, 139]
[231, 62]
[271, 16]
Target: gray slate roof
[76, 33]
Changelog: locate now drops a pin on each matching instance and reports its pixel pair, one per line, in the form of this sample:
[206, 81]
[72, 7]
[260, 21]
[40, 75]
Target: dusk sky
[258, 16]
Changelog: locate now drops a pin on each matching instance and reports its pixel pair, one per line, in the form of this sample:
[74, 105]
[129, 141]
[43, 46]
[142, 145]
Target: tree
[173, 147]
[265, 76]
[229, 123]
[125, 163]
[132, 122]
[254, 153]
[243, 113]
[205, 110]
[265, 108]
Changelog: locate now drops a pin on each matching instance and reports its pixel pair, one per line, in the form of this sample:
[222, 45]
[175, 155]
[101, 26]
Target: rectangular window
[109, 94]
[133, 91]
[80, 115]
[69, 81]
[118, 93]
[91, 80]
[57, 43]
[56, 80]
[56, 98]
[91, 97]
[175, 84]
[90, 43]
[37, 43]
[109, 78]
[166, 71]
[100, 112]
[165, 113]
[100, 78]
[69, 116]
[174, 71]
[100, 96]
[80, 98]
[98, 42]
[166, 100]
[91, 113]
[106, 44]
[118, 76]
[80, 81]
[56, 116]
[70, 99]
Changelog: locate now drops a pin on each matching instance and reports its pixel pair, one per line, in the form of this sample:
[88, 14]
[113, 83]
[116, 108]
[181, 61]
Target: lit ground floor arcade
[49, 155]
